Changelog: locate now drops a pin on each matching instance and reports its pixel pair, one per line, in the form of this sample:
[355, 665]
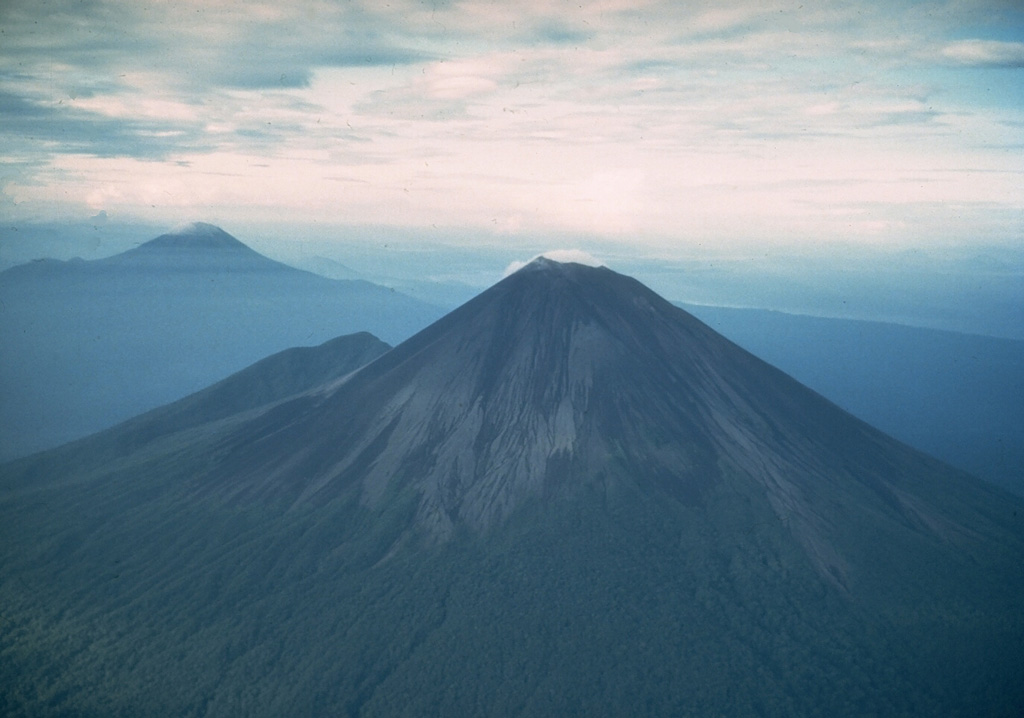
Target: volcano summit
[565, 497]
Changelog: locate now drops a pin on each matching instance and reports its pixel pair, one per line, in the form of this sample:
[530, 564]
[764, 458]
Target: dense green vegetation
[606, 602]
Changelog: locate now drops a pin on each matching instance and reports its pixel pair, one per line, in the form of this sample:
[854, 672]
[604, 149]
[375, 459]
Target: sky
[653, 123]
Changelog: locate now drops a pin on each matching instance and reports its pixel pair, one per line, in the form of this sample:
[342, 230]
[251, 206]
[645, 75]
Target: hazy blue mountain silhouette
[269, 380]
[91, 343]
[954, 396]
[565, 497]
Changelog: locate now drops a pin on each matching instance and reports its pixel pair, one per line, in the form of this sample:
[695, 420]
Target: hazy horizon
[973, 290]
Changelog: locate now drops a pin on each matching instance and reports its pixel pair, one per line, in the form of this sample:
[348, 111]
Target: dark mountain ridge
[256, 387]
[565, 497]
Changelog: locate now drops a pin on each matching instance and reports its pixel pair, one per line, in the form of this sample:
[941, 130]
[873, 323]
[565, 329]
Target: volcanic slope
[565, 497]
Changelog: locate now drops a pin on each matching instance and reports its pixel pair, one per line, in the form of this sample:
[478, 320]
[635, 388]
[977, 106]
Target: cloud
[985, 53]
[564, 256]
[59, 127]
[613, 118]
[198, 46]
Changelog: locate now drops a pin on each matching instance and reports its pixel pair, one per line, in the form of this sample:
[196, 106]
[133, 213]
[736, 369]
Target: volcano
[194, 236]
[567, 496]
[92, 343]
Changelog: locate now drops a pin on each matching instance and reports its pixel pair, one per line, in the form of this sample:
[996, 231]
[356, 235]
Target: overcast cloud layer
[662, 121]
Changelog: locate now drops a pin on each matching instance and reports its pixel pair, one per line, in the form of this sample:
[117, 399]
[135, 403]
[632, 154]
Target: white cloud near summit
[564, 256]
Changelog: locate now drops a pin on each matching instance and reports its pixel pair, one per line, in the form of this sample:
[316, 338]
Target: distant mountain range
[269, 380]
[954, 396]
[566, 497]
[89, 343]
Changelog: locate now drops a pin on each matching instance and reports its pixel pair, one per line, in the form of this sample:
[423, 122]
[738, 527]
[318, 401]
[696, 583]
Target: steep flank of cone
[562, 378]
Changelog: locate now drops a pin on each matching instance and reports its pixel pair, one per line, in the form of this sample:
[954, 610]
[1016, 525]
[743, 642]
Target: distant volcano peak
[196, 236]
[194, 246]
[197, 228]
